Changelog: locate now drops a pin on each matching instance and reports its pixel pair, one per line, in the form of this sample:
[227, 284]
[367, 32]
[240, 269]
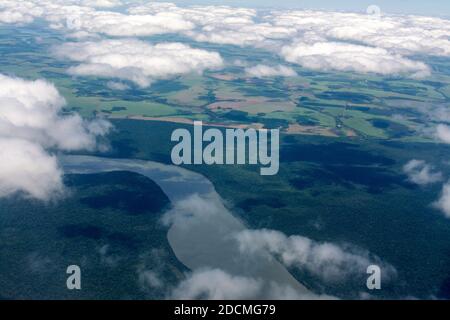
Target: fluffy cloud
[113, 85]
[443, 133]
[91, 16]
[373, 44]
[330, 262]
[221, 24]
[443, 203]
[421, 173]
[194, 208]
[261, 71]
[118, 24]
[350, 57]
[25, 166]
[19, 12]
[149, 278]
[216, 284]
[406, 35]
[101, 3]
[136, 60]
[30, 123]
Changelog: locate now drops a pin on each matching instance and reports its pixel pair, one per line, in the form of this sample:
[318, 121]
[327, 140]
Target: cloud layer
[390, 44]
[328, 56]
[136, 60]
[261, 71]
[31, 123]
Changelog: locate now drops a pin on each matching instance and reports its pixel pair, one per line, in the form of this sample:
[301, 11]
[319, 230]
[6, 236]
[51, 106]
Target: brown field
[310, 130]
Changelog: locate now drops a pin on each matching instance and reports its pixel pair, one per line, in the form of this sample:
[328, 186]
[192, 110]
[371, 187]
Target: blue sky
[427, 7]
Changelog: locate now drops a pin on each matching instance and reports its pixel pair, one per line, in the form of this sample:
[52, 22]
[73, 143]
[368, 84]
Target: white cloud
[193, 209]
[101, 3]
[19, 12]
[330, 262]
[387, 41]
[220, 24]
[30, 123]
[31, 111]
[150, 278]
[113, 85]
[91, 16]
[350, 57]
[136, 60]
[380, 45]
[120, 25]
[216, 284]
[406, 35]
[421, 173]
[261, 71]
[443, 133]
[25, 166]
[443, 203]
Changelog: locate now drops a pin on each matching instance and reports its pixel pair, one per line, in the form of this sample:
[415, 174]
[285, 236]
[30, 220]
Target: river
[201, 228]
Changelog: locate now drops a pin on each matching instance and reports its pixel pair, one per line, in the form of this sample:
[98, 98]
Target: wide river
[201, 227]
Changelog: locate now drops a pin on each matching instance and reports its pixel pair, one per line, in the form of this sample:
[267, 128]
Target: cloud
[91, 16]
[443, 133]
[149, 278]
[122, 25]
[136, 60]
[113, 85]
[326, 56]
[221, 24]
[421, 173]
[261, 71]
[216, 284]
[19, 12]
[193, 209]
[31, 123]
[101, 3]
[443, 203]
[328, 261]
[380, 45]
[402, 34]
[27, 167]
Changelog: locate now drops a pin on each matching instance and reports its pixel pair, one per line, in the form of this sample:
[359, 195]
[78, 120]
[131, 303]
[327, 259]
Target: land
[345, 138]
[314, 103]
